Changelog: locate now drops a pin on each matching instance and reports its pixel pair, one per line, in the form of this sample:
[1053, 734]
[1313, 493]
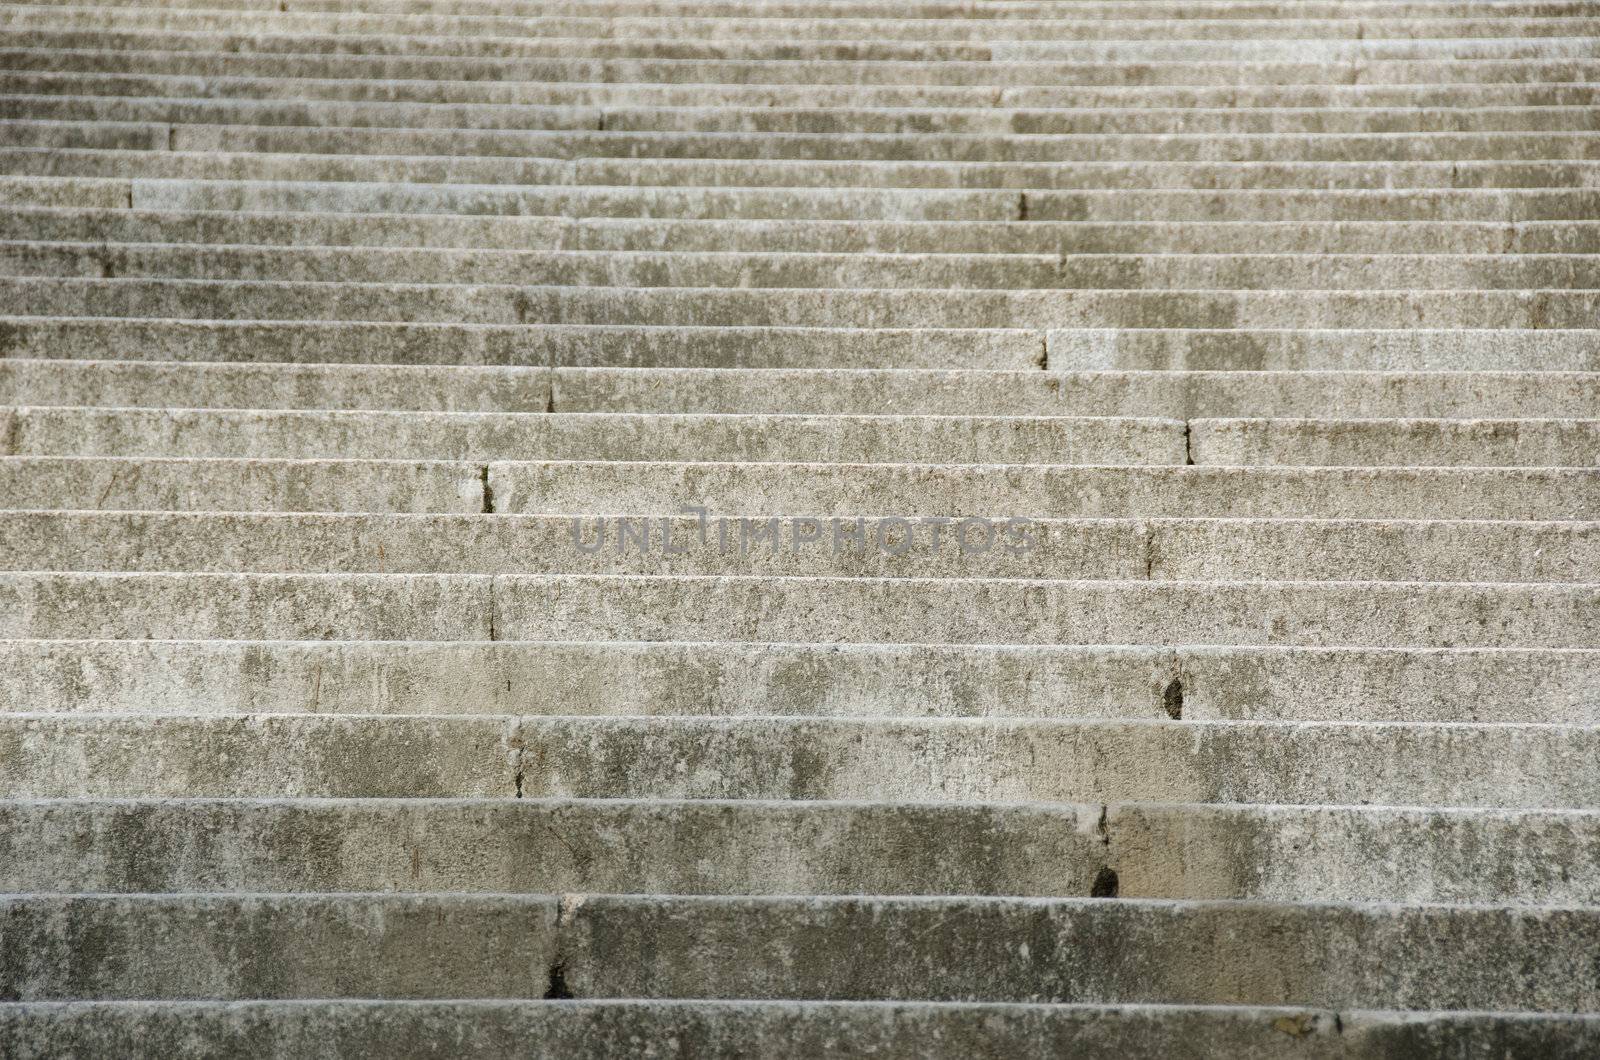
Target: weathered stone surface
[773, 1028]
[729, 678]
[323, 322]
[750, 847]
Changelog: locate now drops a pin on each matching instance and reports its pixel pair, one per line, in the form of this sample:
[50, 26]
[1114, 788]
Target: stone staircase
[916, 528]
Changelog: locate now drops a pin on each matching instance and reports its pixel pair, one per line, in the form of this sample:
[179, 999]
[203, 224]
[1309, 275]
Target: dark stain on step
[1105, 883]
[1172, 699]
[558, 989]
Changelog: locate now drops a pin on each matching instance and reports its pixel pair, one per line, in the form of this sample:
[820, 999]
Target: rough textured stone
[324, 322]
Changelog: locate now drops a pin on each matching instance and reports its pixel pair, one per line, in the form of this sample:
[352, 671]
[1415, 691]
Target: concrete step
[905, 490]
[228, 30]
[154, 137]
[1185, 395]
[1317, 350]
[879, 759]
[1077, 349]
[1057, 440]
[140, 149]
[293, 434]
[798, 308]
[541, 1029]
[678, 204]
[1539, 686]
[1369, 443]
[1298, 854]
[246, 485]
[981, 121]
[122, 52]
[620, 946]
[1124, 27]
[119, 51]
[1206, 550]
[859, 392]
[1088, 492]
[489, 344]
[1001, 12]
[1503, 205]
[861, 610]
[1004, 10]
[1201, 550]
[80, 78]
[1098, 272]
[507, 232]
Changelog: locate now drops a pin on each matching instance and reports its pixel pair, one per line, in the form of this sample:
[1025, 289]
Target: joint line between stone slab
[492, 632]
[557, 989]
[549, 377]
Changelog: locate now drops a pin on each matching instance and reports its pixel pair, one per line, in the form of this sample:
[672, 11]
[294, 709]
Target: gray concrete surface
[191, 606]
[754, 847]
[1195, 682]
[406, 1029]
[322, 323]
[608, 946]
[1155, 550]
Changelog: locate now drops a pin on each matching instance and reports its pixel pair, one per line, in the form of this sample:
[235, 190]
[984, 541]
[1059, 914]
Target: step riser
[141, 149]
[1087, 493]
[794, 848]
[396, 343]
[1265, 684]
[765, 271]
[889, 439]
[231, 31]
[817, 237]
[1193, 396]
[309, 486]
[1299, 33]
[403, 947]
[537, 1029]
[442, 436]
[155, 139]
[816, 307]
[999, 13]
[1371, 443]
[120, 52]
[1084, 349]
[1494, 206]
[533, 93]
[76, 755]
[450, 607]
[1319, 350]
[862, 392]
[1200, 551]
[35, 483]
[979, 122]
